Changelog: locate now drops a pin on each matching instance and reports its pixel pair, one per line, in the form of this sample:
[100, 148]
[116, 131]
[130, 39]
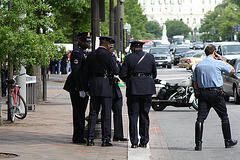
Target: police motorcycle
[178, 95]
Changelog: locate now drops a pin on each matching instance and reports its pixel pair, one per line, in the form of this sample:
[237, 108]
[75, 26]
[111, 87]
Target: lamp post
[127, 27]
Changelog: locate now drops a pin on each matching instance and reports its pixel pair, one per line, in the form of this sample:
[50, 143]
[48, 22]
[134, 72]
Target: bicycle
[17, 105]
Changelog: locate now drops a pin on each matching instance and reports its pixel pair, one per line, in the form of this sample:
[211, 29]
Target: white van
[229, 50]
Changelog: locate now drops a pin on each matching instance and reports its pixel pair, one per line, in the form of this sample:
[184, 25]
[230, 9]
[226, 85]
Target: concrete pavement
[46, 133]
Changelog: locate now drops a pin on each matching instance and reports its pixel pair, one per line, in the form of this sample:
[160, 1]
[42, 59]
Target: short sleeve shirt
[208, 72]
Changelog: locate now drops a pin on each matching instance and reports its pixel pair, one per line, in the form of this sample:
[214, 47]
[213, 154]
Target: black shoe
[90, 142]
[81, 141]
[142, 145]
[106, 143]
[198, 146]
[134, 146]
[120, 139]
[230, 143]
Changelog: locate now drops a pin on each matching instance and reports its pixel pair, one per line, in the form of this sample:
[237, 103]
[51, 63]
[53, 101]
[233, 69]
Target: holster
[220, 94]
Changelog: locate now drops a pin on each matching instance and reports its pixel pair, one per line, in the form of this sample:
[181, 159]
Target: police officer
[117, 106]
[74, 85]
[100, 68]
[138, 71]
[207, 79]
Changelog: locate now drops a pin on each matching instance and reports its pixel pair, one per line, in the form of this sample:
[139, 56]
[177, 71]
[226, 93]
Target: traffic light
[233, 28]
[237, 28]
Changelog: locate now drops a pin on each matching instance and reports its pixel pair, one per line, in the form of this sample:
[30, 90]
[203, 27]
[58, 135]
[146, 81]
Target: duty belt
[141, 74]
[212, 88]
[104, 75]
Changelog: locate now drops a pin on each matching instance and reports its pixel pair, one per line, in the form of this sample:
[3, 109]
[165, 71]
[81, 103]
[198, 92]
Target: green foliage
[18, 32]
[72, 16]
[237, 2]
[134, 16]
[221, 19]
[176, 27]
[154, 28]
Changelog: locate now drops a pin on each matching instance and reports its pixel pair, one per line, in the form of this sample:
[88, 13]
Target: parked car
[229, 50]
[231, 82]
[198, 45]
[162, 56]
[147, 47]
[190, 58]
[178, 52]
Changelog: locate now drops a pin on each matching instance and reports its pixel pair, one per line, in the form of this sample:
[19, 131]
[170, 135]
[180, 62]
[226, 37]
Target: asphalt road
[177, 126]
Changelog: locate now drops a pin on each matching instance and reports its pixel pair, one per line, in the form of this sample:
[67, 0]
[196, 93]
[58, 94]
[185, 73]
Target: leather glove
[82, 94]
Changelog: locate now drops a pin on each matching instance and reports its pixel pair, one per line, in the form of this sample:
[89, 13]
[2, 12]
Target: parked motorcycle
[178, 95]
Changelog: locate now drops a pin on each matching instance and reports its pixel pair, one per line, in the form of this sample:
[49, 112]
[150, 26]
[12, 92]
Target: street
[177, 126]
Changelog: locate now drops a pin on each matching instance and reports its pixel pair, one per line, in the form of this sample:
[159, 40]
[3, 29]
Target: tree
[19, 41]
[154, 28]
[134, 16]
[72, 17]
[176, 27]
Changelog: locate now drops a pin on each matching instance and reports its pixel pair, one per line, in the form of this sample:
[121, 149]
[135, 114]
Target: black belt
[141, 74]
[212, 88]
[99, 75]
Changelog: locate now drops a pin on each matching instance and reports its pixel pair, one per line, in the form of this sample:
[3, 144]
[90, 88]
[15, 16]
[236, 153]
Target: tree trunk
[39, 91]
[1, 119]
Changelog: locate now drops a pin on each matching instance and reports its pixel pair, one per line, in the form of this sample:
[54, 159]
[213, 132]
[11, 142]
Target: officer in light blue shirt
[207, 80]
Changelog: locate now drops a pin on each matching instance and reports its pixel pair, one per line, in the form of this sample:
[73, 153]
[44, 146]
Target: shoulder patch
[75, 61]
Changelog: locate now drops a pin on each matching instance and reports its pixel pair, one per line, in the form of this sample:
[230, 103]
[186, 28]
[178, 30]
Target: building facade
[191, 12]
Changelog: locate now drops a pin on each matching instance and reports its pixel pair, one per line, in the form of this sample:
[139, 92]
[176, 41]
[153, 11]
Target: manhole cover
[8, 155]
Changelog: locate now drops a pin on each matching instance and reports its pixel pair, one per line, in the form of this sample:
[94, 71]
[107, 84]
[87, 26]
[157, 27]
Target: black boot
[227, 135]
[198, 135]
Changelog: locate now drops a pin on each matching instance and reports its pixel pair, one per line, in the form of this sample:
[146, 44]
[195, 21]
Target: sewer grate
[8, 155]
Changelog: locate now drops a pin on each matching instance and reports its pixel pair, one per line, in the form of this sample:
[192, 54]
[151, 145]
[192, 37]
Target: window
[172, 1]
[202, 10]
[166, 1]
[160, 10]
[209, 1]
[202, 1]
[152, 9]
[179, 9]
[194, 21]
[191, 1]
[152, 2]
[215, 1]
[179, 1]
[166, 10]
[159, 1]
[187, 20]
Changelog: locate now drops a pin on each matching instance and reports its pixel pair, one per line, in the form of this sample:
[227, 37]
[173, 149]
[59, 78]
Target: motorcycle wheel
[195, 104]
[158, 107]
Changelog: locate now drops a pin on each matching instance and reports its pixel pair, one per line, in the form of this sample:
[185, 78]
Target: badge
[75, 61]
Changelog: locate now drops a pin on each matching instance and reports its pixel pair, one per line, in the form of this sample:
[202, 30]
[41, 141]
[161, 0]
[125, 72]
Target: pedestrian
[100, 67]
[138, 71]
[207, 79]
[64, 63]
[74, 85]
[4, 77]
[68, 67]
[117, 104]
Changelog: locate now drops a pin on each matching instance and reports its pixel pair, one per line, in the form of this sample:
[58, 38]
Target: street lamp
[127, 27]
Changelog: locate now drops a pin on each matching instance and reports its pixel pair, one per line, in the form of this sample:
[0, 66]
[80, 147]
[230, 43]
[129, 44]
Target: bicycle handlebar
[15, 76]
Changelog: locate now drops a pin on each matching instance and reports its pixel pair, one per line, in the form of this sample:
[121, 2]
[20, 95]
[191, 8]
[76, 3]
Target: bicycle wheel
[12, 108]
[21, 111]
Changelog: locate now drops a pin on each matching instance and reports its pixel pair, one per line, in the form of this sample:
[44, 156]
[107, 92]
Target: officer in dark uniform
[207, 79]
[117, 106]
[138, 71]
[74, 85]
[100, 67]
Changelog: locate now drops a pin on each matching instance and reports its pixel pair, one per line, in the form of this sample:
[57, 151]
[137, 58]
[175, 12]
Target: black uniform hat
[136, 43]
[107, 38]
[85, 36]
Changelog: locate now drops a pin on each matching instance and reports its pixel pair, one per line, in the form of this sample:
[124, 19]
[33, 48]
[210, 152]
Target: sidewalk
[45, 134]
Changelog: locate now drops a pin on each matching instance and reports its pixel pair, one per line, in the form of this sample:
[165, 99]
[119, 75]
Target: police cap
[107, 38]
[85, 36]
[136, 43]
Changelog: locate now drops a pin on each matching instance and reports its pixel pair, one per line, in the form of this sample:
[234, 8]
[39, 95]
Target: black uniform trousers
[79, 107]
[95, 103]
[208, 99]
[139, 106]
[117, 117]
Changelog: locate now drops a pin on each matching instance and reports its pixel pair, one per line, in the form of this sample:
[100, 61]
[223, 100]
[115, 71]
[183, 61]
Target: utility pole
[95, 21]
[111, 23]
